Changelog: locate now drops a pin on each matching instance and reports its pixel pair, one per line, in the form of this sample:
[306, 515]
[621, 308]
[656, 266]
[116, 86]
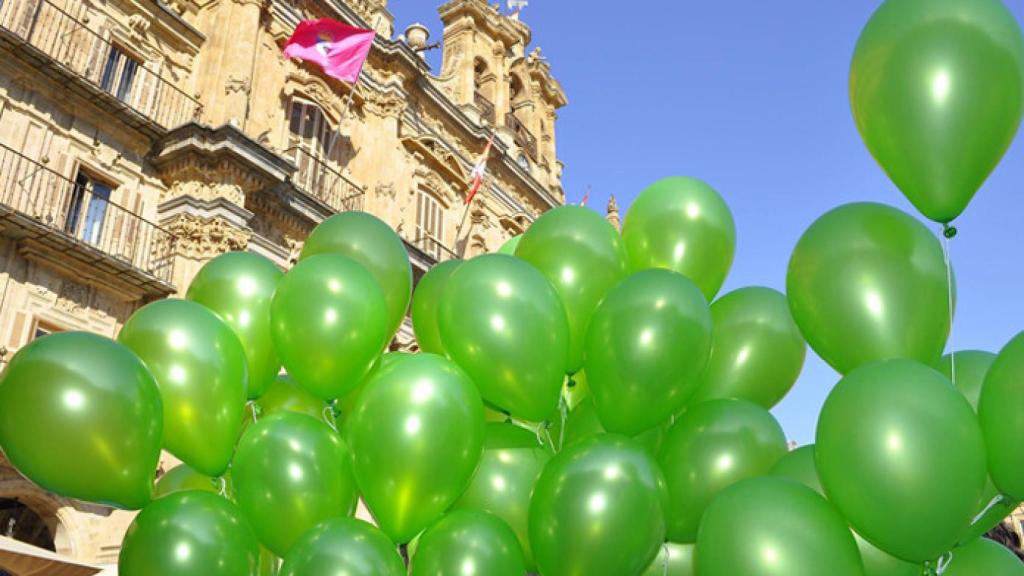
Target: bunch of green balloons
[583, 402]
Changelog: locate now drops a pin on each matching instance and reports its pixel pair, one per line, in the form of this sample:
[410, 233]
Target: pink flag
[338, 48]
[479, 170]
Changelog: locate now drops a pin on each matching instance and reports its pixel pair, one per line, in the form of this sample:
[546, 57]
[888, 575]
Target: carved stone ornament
[384, 104]
[235, 84]
[139, 25]
[386, 190]
[200, 238]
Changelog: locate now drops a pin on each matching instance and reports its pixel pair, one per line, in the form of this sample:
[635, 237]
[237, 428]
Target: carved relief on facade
[385, 104]
[201, 238]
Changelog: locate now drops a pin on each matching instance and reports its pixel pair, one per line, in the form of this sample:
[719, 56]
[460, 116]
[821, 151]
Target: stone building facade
[140, 138]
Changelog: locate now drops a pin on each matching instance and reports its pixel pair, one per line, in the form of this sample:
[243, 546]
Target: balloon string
[547, 434]
[223, 489]
[563, 413]
[328, 415]
[943, 563]
[947, 233]
[255, 411]
[991, 504]
[664, 563]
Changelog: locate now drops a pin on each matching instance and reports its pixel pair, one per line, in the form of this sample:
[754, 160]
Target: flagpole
[469, 200]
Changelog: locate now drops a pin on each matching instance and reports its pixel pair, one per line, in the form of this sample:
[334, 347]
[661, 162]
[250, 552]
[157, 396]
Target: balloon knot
[571, 383]
[949, 231]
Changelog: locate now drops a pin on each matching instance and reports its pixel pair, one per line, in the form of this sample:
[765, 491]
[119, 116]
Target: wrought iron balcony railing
[485, 106]
[432, 247]
[68, 42]
[81, 211]
[522, 135]
[319, 180]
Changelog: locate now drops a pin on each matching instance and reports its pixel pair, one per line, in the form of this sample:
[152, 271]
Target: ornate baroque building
[140, 138]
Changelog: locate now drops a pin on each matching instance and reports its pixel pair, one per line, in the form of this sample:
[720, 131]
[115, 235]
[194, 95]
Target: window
[429, 224]
[310, 130]
[88, 208]
[119, 73]
[43, 328]
[23, 524]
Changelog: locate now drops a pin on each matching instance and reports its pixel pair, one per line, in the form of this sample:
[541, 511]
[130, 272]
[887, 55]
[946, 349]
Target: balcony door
[311, 139]
[87, 209]
[429, 225]
[119, 73]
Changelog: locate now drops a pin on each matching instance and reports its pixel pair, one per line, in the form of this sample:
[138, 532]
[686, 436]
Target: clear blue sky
[751, 96]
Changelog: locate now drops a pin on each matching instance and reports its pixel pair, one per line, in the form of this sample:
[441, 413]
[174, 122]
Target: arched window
[21, 523]
[483, 89]
[313, 144]
[516, 90]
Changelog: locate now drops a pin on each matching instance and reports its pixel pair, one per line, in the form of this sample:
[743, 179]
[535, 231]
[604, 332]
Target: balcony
[485, 106]
[73, 225]
[522, 135]
[318, 180]
[56, 44]
[428, 251]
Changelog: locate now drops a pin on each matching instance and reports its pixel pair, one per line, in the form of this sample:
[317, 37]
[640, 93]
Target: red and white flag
[338, 48]
[479, 171]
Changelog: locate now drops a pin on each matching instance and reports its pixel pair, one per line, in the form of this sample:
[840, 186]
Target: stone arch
[55, 512]
[483, 79]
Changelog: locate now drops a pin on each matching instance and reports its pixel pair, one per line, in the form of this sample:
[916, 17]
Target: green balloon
[504, 324]
[199, 365]
[583, 500]
[683, 225]
[188, 533]
[80, 415]
[468, 538]
[971, 368]
[799, 465]
[583, 257]
[757, 350]
[713, 445]
[290, 473]
[426, 302]
[673, 560]
[329, 324]
[285, 395]
[583, 423]
[999, 409]
[510, 245]
[937, 90]
[343, 546]
[509, 467]
[647, 346]
[885, 432]
[238, 287]
[417, 432]
[773, 526]
[984, 557]
[868, 282]
[183, 478]
[374, 245]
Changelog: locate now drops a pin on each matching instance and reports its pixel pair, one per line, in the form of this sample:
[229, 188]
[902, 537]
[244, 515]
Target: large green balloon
[713, 445]
[199, 365]
[511, 463]
[504, 324]
[583, 503]
[238, 287]
[417, 433]
[682, 224]
[290, 473]
[510, 245]
[868, 282]
[468, 542]
[774, 527]
[373, 244]
[329, 324]
[80, 415]
[673, 560]
[183, 478]
[884, 432]
[647, 346]
[343, 546]
[583, 257]
[757, 351]
[971, 368]
[189, 533]
[937, 90]
[799, 465]
[426, 305]
[1000, 408]
[984, 557]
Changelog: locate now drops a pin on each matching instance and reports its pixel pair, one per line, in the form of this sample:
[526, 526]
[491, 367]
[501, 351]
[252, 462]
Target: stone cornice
[200, 152]
[167, 18]
[487, 18]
